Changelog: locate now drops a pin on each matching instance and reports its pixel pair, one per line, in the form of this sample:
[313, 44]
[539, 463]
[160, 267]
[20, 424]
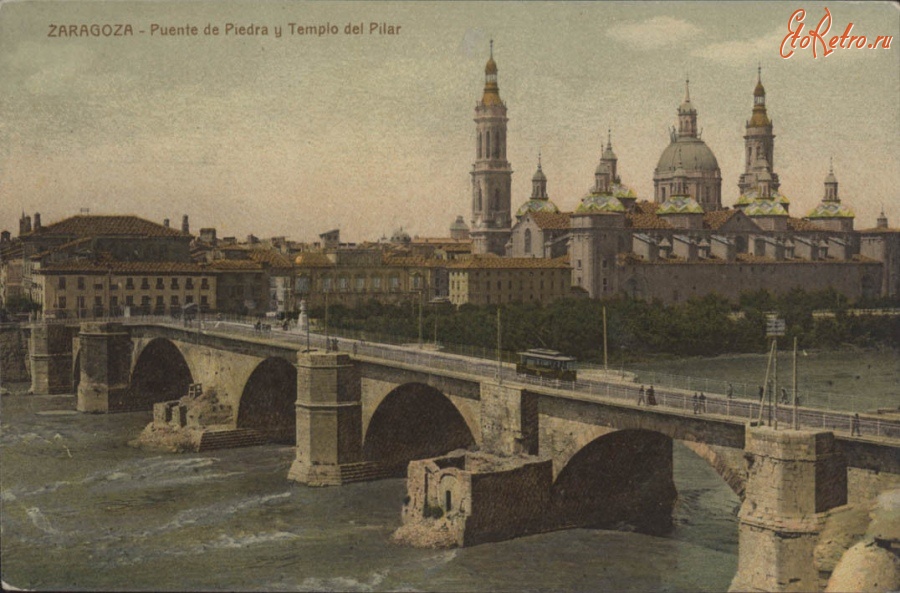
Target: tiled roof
[235, 264]
[715, 219]
[798, 224]
[64, 247]
[414, 262]
[313, 259]
[646, 220]
[271, 257]
[123, 267]
[512, 263]
[106, 226]
[551, 220]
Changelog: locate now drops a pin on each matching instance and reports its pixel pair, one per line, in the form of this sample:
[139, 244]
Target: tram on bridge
[541, 362]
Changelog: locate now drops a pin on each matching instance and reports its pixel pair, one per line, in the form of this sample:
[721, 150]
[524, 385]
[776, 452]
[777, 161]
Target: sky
[298, 134]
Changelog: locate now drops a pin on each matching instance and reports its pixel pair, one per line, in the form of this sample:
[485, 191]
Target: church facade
[684, 242]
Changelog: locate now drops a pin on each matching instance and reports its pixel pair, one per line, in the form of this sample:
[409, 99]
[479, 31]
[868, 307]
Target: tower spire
[687, 89]
[492, 49]
[759, 72]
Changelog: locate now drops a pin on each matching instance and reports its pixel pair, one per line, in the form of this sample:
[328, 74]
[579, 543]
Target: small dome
[459, 225]
[621, 191]
[603, 167]
[599, 203]
[536, 205]
[831, 210]
[539, 175]
[765, 208]
[695, 156]
[679, 205]
[491, 66]
[400, 236]
[753, 195]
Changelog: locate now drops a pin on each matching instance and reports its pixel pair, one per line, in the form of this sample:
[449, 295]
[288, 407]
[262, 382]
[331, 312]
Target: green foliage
[707, 325]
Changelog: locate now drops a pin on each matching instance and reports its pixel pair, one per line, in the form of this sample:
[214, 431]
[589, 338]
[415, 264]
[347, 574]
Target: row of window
[458, 285]
[343, 284]
[174, 301]
[174, 284]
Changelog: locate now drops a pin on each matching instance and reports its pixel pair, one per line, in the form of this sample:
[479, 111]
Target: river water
[83, 511]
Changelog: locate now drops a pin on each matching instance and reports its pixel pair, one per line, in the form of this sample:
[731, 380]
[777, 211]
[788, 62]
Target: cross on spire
[759, 72]
[492, 48]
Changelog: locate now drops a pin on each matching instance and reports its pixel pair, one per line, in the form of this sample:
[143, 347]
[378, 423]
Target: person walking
[696, 403]
[730, 392]
[854, 426]
[702, 403]
[651, 396]
[784, 396]
[762, 392]
[640, 400]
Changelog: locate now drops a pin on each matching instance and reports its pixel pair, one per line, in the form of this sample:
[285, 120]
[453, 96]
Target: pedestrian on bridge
[641, 400]
[730, 392]
[854, 426]
[651, 396]
[702, 399]
[695, 401]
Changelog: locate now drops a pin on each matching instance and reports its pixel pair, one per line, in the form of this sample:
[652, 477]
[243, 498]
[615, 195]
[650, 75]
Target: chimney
[185, 226]
[37, 220]
[166, 222]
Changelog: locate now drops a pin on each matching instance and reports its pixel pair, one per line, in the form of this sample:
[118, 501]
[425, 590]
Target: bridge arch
[268, 401]
[414, 421]
[160, 373]
[622, 477]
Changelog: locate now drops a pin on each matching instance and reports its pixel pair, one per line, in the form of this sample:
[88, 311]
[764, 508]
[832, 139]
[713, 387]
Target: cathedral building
[684, 242]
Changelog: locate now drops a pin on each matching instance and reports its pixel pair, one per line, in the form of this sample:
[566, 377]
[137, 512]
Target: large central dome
[695, 156]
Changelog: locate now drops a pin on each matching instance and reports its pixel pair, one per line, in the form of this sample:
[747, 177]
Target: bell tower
[759, 142]
[491, 172]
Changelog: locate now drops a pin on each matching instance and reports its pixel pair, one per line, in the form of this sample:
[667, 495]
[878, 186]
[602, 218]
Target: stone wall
[15, 362]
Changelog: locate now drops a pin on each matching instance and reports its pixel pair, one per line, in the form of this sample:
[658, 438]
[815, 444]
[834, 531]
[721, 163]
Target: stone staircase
[230, 438]
[365, 471]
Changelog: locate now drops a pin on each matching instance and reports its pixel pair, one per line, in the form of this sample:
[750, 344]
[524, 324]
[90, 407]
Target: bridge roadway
[738, 410]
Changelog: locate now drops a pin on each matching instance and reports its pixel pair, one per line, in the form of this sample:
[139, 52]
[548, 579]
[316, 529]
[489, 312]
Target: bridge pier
[51, 359]
[329, 419]
[509, 420]
[794, 478]
[105, 367]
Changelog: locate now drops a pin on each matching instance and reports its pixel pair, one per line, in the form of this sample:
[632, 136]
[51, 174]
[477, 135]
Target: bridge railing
[738, 408]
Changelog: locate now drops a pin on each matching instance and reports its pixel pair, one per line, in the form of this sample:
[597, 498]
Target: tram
[551, 364]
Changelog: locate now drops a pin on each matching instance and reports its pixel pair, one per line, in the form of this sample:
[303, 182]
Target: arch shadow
[160, 374]
[267, 404]
[620, 479]
[414, 421]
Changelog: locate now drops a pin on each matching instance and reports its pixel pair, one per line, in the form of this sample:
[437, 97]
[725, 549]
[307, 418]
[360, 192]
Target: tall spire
[491, 88]
[687, 115]
[687, 89]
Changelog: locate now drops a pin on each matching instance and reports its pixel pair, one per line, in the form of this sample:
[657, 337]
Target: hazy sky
[299, 134]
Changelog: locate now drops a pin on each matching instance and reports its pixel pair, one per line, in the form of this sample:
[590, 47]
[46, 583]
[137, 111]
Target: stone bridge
[362, 415]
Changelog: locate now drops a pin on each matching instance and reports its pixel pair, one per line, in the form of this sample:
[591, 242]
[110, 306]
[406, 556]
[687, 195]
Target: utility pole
[796, 419]
[605, 352]
[499, 351]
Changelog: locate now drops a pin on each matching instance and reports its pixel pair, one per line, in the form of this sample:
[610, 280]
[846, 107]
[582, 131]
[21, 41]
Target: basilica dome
[695, 156]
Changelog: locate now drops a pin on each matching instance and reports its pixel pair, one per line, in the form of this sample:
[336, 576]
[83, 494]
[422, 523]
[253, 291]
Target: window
[360, 283]
[204, 301]
[145, 283]
[173, 301]
[61, 302]
[376, 282]
[343, 284]
[81, 283]
[129, 283]
[129, 300]
[303, 284]
[61, 283]
[98, 301]
[326, 284]
[189, 299]
[189, 284]
[579, 264]
[527, 240]
[113, 302]
[159, 284]
[204, 284]
[174, 284]
[80, 302]
[395, 283]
